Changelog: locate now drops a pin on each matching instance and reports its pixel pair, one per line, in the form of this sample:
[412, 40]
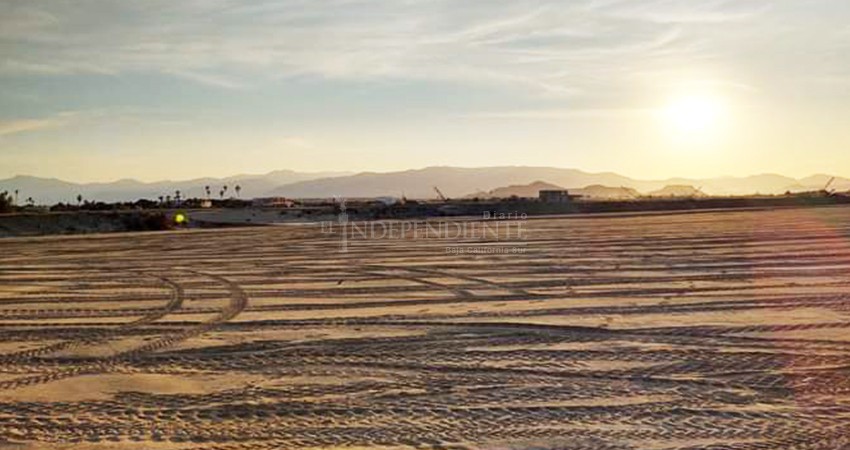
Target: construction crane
[828, 184]
[440, 194]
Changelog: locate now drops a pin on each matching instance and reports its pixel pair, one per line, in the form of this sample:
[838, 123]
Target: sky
[98, 90]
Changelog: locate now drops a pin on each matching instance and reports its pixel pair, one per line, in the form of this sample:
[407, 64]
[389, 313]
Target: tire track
[238, 302]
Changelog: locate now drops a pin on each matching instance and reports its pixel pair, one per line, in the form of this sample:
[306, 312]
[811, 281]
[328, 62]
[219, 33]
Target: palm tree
[30, 201]
[168, 200]
[79, 199]
[238, 189]
[16, 197]
[5, 201]
[177, 196]
[207, 190]
[221, 194]
[161, 199]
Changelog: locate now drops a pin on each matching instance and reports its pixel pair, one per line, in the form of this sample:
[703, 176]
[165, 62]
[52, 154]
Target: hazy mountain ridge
[52, 190]
[517, 190]
[677, 190]
[532, 190]
[460, 182]
[452, 181]
[598, 191]
[455, 182]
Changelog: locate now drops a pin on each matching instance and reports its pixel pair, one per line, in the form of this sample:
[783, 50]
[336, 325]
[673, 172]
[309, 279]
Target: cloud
[209, 80]
[27, 125]
[682, 12]
[560, 114]
[12, 66]
[553, 47]
[10, 127]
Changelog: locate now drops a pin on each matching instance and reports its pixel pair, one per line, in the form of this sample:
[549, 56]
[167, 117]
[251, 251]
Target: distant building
[273, 202]
[387, 201]
[206, 203]
[555, 196]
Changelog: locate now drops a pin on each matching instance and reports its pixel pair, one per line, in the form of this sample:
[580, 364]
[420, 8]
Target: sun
[694, 115]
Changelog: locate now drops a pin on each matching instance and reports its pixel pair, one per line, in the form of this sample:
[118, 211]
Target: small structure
[555, 196]
[387, 201]
[273, 202]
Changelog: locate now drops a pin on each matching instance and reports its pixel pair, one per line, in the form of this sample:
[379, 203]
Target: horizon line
[371, 172]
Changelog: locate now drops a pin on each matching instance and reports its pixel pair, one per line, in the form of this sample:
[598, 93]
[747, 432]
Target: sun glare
[698, 115]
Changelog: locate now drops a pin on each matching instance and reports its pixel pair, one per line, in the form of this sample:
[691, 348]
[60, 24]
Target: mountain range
[459, 182]
[52, 190]
[454, 182]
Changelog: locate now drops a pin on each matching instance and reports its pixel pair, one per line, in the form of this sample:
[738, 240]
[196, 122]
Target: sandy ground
[713, 330]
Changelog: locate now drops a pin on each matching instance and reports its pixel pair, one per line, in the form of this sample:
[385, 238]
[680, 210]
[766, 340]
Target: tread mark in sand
[238, 302]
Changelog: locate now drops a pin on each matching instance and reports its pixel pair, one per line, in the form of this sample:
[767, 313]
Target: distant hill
[531, 190]
[51, 190]
[677, 190]
[458, 182]
[455, 182]
[597, 191]
[819, 181]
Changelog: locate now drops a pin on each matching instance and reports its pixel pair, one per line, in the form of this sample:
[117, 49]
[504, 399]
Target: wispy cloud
[26, 125]
[684, 12]
[59, 120]
[552, 46]
[209, 80]
[560, 114]
[9, 127]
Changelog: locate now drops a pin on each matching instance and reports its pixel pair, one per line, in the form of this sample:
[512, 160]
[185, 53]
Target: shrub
[147, 222]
